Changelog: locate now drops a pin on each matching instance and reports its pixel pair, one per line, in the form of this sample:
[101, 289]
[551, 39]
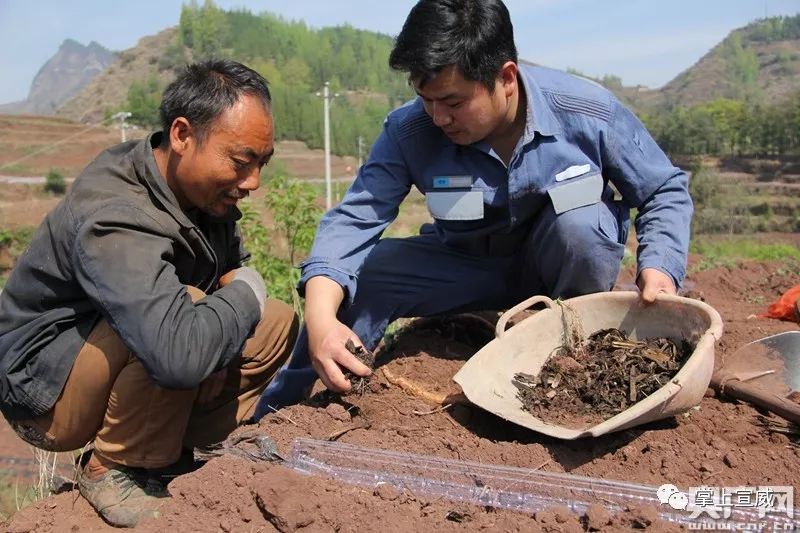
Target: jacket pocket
[577, 193]
[455, 205]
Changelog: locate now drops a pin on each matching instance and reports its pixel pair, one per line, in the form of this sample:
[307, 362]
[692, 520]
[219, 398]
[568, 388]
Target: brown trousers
[110, 399]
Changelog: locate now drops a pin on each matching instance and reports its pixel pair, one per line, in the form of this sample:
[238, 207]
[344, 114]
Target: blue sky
[644, 42]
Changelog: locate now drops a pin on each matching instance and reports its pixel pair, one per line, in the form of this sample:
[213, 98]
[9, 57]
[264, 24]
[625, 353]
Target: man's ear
[508, 77]
[181, 136]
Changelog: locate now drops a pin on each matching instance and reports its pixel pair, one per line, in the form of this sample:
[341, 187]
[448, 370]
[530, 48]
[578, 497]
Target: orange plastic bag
[785, 308]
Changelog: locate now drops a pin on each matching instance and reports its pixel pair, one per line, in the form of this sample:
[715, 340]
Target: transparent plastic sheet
[519, 489]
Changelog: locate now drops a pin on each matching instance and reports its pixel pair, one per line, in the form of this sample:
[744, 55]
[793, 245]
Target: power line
[49, 146]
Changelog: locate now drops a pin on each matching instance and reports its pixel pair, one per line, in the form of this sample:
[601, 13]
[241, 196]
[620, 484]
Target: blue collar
[540, 117]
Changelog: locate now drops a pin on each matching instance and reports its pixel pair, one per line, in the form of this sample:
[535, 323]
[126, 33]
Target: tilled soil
[723, 443]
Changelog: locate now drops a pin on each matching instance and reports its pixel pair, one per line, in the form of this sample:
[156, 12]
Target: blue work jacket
[576, 132]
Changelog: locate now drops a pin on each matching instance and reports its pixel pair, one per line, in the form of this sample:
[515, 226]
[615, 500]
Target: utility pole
[326, 99]
[326, 110]
[122, 116]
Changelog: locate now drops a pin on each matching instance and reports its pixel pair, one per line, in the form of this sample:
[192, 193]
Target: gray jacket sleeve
[123, 262]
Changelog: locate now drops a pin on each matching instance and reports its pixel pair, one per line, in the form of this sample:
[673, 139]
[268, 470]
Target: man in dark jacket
[130, 322]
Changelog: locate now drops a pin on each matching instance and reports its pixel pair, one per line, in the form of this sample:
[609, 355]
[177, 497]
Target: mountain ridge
[759, 60]
[62, 77]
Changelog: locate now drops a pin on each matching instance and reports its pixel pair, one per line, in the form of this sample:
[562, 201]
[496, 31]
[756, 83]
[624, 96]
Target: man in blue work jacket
[517, 164]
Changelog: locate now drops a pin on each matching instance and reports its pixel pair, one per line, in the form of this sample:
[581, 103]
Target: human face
[215, 174]
[465, 110]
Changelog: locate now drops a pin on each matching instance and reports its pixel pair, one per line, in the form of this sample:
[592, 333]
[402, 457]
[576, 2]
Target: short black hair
[475, 35]
[203, 91]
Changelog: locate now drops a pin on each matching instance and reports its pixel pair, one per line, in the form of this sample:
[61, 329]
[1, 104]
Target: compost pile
[588, 382]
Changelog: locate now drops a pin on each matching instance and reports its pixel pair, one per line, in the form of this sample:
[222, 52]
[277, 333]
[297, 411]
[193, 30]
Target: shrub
[55, 183]
[277, 250]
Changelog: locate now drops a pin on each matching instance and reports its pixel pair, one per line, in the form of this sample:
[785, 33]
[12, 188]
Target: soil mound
[722, 443]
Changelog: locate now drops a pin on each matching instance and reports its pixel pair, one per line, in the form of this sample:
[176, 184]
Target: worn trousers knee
[110, 399]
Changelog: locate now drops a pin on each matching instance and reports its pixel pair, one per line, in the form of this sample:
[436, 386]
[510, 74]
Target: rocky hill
[109, 89]
[758, 62]
[64, 75]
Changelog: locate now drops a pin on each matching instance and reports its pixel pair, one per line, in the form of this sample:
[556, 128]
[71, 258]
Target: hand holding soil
[358, 384]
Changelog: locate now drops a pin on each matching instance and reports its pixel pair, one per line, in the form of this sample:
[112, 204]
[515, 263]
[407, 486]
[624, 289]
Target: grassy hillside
[741, 98]
[759, 62]
[295, 59]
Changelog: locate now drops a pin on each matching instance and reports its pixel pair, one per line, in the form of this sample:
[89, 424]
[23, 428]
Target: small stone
[567, 365]
[778, 438]
[705, 467]
[545, 517]
[731, 460]
[562, 515]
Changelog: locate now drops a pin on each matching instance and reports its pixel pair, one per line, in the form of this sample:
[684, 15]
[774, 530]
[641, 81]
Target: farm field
[722, 443]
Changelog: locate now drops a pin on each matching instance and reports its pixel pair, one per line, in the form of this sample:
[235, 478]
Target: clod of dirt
[359, 385]
[338, 412]
[386, 492]
[731, 460]
[588, 382]
[596, 518]
[642, 517]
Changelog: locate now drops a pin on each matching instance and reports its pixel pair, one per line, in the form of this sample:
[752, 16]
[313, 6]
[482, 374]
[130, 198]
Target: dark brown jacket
[118, 247]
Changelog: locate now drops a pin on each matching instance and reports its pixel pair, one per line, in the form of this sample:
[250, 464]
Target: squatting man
[517, 164]
[130, 323]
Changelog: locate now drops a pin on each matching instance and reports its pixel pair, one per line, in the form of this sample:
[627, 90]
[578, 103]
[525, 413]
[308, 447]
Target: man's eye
[240, 164]
[454, 105]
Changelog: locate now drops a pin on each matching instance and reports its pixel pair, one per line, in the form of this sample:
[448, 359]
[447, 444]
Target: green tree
[143, 101]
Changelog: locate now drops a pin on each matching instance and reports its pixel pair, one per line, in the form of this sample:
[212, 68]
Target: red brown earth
[721, 444]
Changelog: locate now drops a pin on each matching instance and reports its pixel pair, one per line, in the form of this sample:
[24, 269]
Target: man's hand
[652, 282]
[211, 387]
[226, 278]
[252, 278]
[327, 336]
[328, 354]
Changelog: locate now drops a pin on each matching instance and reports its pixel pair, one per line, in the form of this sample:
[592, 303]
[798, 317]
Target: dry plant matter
[592, 380]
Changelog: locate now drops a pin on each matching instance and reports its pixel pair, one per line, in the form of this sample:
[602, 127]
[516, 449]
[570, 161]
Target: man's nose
[252, 181]
[440, 115]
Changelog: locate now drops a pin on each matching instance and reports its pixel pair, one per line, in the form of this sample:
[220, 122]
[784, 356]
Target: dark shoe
[123, 496]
